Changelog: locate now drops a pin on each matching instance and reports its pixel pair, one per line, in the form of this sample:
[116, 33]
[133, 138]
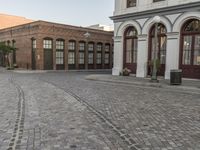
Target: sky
[73, 12]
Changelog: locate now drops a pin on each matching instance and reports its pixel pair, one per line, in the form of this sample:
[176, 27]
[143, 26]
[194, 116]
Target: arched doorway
[190, 49]
[130, 49]
[162, 46]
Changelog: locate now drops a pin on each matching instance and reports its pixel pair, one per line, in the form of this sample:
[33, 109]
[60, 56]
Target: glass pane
[152, 48]
[71, 58]
[197, 50]
[107, 48]
[81, 46]
[98, 58]
[128, 50]
[107, 58]
[90, 47]
[163, 44]
[99, 47]
[187, 45]
[193, 26]
[135, 45]
[90, 58]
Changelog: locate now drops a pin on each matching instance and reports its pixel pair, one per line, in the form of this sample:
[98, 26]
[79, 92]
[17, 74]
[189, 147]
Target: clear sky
[74, 12]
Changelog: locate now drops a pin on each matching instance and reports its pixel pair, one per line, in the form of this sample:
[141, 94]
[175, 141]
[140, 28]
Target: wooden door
[48, 59]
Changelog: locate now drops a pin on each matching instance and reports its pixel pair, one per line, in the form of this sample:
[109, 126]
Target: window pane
[60, 45]
[71, 58]
[71, 45]
[134, 51]
[34, 44]
[59, 57]
[131, 3]
[90, 58]
[187, 45]
[107, 48]
[128, 50]
[47, 44]
[98, 58]
[90, 47]
[197, 50]
[99, 47]
[81, 46]
[163, 45]
[81, 58]
[107, 58]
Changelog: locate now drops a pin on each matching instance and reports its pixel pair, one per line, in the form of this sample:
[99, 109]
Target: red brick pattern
[39, 30]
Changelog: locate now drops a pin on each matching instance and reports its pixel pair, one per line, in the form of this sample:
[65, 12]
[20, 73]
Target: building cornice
[195, 6]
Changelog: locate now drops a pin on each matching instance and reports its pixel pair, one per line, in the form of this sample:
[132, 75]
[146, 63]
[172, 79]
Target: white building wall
[172, 53]
[172, 22]
[143, 5]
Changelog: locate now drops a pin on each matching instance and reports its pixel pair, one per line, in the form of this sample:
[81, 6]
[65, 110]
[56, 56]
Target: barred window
[90, 58]
[71, 45]
[107, 48]
[71, 58]
[34, 44]
[91, 47]
[99, 58]
[59, 45]
[47, 44]
[81, 58]
[99, 47]
[81, 46]
[107, 60]
[59, 57]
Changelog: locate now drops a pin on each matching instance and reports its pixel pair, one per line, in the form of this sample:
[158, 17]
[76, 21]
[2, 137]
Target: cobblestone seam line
[126, 138]
[19, 123]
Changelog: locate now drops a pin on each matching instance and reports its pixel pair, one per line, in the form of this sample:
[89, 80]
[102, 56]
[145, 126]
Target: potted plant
[126, 72]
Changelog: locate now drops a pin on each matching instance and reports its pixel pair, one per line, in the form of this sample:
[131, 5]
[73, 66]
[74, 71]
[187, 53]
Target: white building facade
[178, 36]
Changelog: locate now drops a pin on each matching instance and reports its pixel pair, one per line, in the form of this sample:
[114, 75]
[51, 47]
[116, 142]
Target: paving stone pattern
[65, 111]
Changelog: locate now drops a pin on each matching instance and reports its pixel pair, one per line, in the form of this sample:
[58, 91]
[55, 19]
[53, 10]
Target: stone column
[142, 56]
[172, 53]
[118, 55]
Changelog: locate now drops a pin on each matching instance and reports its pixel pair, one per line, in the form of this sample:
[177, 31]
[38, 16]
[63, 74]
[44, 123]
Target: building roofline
[38, 22]
[161, 11]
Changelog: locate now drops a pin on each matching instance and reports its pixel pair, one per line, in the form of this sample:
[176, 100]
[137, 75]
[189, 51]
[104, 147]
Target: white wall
[173, 23]
[142, 5]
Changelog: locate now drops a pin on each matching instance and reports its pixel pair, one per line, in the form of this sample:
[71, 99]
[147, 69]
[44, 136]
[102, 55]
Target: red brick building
[46, 45]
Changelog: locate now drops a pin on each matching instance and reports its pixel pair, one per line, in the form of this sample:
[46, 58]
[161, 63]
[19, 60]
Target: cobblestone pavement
[65, 111]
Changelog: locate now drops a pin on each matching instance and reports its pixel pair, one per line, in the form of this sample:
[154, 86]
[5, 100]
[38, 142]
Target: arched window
[191, 43]
[190, 49]
[130, 50]
[48, 53]
[48, 43]
[162, 43]
[157, 50]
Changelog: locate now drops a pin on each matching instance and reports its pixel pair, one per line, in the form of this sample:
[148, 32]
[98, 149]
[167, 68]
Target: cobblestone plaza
[63, 110]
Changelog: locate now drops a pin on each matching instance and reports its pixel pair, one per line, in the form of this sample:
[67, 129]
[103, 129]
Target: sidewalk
[187, 84]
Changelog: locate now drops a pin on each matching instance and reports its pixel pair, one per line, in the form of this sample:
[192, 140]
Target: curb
[187, 89]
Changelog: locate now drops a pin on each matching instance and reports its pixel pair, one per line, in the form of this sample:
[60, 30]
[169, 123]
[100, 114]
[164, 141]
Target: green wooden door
[48, 59]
